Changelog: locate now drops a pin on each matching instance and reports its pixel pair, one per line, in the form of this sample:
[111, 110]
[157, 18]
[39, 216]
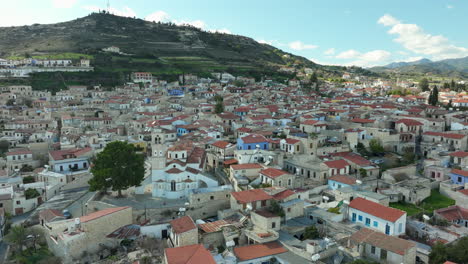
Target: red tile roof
[409, 122]
[362, 120]
[464, 191]
[101, 213]
[343, 179]
[246, 166]
[445, 135]
[460, 172]
[376, 209]
[254, 138]
[192, 254]
[174, 171]
[273, 173]
[453, 212]
[258, 251]
[284, 194]
[337, 164]
[249, 196]
[291, 141]
[310, 122]
[182, 224]
[19, 152]
[221, 144]
[68, 153]
[459, 154]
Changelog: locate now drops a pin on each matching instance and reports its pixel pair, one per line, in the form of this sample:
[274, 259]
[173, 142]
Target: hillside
[456, 68]
[164, 49]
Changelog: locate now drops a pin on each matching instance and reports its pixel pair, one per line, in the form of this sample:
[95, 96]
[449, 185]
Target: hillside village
[239, 170]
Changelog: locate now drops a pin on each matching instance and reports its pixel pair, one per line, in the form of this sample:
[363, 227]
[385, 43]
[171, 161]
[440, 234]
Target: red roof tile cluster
[310, 122]
[343, 179]
[19, 152]
[68, 153]
[192, 254]
[258, 251]
[362, 120]
[249, 196]
[376, 209]
[182, 224]
[174, 171]
[273, 173]
[337, 164]
[283, 195]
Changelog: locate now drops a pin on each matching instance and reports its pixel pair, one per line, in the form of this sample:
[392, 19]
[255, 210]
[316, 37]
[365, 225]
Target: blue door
[387, 229]
[354, 217]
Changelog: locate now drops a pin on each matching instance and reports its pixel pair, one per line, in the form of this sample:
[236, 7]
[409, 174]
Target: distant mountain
[449, 67]
[394, 65]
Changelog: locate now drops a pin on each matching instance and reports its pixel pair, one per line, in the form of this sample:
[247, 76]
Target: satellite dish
[346, 202]
[426, 217]
[326, 198]
[77, 221]
[358, 182]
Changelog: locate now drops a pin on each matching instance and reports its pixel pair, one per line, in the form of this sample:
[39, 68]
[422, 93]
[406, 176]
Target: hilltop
[164, 49]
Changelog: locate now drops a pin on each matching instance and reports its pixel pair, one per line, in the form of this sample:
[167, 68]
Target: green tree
[276, 208]
[438, 254]
[119, 167]
[219, 107]
[31, 193]
[424, 84]
[361, 149]
[375, 146]
[4, 145]
[363, 173]
[434, 96]
[16, 237]
[311, 232]
[28, 179]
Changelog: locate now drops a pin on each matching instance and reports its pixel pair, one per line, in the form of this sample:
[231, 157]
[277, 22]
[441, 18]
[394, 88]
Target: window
[211, 197]
[1, 205]
[18, 202]
[273, 225]
[400, 227]
[372, 250]
[376, 224]
[173, 186]
[263, 203]
[360, 218]
[367, 221]
[289, 210]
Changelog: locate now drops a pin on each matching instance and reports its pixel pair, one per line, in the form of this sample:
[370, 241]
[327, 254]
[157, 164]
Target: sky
[337, 32]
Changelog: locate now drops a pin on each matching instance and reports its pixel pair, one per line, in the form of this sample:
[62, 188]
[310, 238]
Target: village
[239, 170]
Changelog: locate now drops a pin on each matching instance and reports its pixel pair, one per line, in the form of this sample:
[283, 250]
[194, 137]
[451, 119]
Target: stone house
[85, 238]
[188, 254]
[279, 178]
[408, 126]
[183, 232]
[250, 200]
[459, 158]
[249, 170]
[454, 214]
[383, 248]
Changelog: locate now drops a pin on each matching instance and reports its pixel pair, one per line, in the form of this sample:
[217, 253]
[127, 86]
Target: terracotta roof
[383, 241]
[464, 191]
[50, 214]
[68, 153]
[343, 179]
[265, 213]
[19, 152]
[230, 161]
[459, 154]
[337, 164]
[291, 141]
[182, 224]
[376, 209]
[192, 254]
[310, 122]
[460, 172]
[409, 122]
[445, 135]
[284, 194]
[174, 171]
[101, 213]
[273, 173]
[258, 250]
[249, 196]
[220, 144]
[453, 212]
[246, 166]
[254, 138]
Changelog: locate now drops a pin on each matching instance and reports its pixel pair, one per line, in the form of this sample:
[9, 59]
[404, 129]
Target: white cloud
[449, 6]
[371, 58]
[318, 61]
[411, 59]
[158, 16]
[413, 38]
[388, 20]
[124, 12]
[330, 51]
[262, 41]
[63, 3]
[299, 45]
[195, 23]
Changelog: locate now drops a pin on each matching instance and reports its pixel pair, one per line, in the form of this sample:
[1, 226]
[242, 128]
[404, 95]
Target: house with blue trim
[175, 92]
[459, 176]
[387, 220]
[251, 141]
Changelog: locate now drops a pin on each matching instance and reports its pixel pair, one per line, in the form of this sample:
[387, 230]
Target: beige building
[183, 232]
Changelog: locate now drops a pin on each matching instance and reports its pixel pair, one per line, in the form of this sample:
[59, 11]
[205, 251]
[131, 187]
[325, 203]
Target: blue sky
[345, 32]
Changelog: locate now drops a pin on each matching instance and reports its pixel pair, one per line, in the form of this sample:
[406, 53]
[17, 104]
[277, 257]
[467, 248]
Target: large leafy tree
[118, 166]
[16, 237]
[424, 84]
[375, 146]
